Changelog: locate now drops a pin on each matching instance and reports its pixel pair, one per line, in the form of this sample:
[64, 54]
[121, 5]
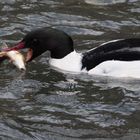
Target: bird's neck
[60, 52]
[71, 62]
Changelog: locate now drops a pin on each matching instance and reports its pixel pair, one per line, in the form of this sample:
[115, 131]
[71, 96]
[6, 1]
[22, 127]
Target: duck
[117, 58]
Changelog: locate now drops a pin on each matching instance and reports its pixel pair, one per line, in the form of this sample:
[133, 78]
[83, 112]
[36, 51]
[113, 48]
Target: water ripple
[44, 103]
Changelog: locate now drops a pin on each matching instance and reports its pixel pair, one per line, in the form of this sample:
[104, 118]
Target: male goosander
[119, 58]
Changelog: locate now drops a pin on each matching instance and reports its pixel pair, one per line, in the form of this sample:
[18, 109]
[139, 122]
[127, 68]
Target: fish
[15, 57]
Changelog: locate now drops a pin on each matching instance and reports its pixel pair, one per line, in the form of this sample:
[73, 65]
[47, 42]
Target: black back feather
[124, 50]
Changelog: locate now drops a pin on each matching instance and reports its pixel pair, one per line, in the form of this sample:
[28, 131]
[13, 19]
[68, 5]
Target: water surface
[46, 104]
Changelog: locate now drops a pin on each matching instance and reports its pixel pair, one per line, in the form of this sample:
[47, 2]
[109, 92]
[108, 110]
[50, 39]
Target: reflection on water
[107, 2]
[44, 103]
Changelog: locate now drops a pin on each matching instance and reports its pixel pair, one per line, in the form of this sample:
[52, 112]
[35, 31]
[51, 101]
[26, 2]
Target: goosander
[118, 58]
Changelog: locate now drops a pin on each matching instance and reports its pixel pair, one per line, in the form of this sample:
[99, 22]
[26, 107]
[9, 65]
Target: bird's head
[45, 39]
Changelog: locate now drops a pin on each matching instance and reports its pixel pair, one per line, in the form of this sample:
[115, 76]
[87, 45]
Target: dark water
[45, 104]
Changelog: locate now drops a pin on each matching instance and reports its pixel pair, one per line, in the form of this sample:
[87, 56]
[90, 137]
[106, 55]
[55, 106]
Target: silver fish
[15, 57]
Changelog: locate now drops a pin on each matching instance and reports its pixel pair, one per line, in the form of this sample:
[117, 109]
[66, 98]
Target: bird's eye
[35, 41]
